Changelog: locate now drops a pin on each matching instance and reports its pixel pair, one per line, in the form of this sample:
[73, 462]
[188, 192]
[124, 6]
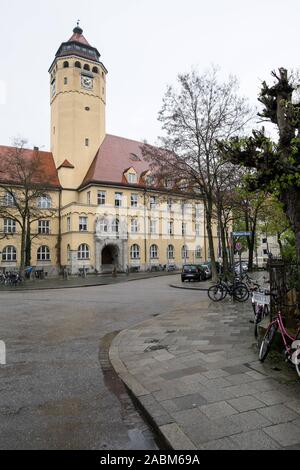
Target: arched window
[184, 252]
[87, 67]
[66, 65]
[95, 70]
[83, 252]
[115, 226]
[154, 252]
[9, 253]
[103, 225]
[44, 202]
[78, 65]
[43, 253]
[135, 252]
[198, 252]
[170, 252]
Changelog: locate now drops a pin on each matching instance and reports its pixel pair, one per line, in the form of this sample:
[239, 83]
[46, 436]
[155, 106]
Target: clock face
[87, 82]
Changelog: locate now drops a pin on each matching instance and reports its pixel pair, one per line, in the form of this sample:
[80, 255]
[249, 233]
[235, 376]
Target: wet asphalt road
[57, 390]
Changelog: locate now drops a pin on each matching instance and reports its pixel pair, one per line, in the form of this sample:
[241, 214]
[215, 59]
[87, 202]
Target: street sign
[242, 234]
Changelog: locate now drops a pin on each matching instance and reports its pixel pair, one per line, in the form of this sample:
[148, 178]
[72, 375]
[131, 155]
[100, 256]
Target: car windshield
[190, 267]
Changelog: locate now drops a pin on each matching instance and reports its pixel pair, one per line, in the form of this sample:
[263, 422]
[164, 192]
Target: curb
[170, 433]
[80, 286]
[188, 288]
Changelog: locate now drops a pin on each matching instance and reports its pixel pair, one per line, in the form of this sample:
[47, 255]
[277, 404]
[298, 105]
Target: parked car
[192, 272]
[206, 270]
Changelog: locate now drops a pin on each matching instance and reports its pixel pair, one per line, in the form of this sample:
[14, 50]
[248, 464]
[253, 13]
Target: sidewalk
[196, 375]
[89, 281]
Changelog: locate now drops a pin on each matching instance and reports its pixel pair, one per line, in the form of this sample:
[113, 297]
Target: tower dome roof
[79, 46]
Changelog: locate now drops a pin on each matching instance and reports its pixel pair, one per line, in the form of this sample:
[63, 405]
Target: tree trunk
[23, 247]
[291, 201]
[28, 245]
[211, 243]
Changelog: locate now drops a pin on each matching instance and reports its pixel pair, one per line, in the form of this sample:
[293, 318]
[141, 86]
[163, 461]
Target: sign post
[238, 246]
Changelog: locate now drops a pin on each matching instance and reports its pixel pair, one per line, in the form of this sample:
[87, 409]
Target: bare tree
[23, 181]
[202, 111]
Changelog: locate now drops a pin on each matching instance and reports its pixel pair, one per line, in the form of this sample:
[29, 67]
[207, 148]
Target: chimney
[36, 149]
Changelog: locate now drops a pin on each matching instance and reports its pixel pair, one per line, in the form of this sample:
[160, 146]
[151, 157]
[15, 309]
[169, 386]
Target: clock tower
[78, 99]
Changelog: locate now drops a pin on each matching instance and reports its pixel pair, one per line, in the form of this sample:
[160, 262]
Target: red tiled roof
[66, 164]
[114, 158]
[79, 38]
[50, 177]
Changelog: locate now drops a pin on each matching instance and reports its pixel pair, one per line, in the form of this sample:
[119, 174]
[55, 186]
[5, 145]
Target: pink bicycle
[291, 343]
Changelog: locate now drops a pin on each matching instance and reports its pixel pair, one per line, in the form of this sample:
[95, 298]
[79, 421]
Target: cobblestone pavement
[195, 371]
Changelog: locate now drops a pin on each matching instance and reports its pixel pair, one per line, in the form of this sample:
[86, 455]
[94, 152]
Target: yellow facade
[88, 229]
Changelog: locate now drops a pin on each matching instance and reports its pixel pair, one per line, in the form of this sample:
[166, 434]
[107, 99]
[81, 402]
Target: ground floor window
[184, 252]
[9, 254]
[154, 252]
[171, 252]
[43, 253]
[198, 252]
[135, 252]
[83, 252]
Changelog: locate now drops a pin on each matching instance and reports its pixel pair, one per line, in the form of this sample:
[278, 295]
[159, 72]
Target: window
[149, 180]
[95, 70]
[264, 240]
[103, 226]
[183, 229]
[78, 65]
[184, 252]
[135, 252]
[83, 224]
[153, 202]
[87, 67]
[115, 226]
[43, 253]
[154, 252]
[88, 197]
[68, 224]
[10, 226]
[44, 202]
[9, 200]
[65, 81]
[134, 226]
[169, 183]
[197, 229]
[198, 252]
[118, 199]
[44, 226]
[132, 178]
[87, 142]
[198, 210]
[170, 252]
[153, 224]
[9, 253]
[83, 252]
[134, 200]
[265, 252]
[66, 65]
[101, 198]
[170, 228]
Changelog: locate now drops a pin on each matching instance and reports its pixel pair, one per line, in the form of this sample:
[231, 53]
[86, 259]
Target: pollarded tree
[276, 166]
[194, 117]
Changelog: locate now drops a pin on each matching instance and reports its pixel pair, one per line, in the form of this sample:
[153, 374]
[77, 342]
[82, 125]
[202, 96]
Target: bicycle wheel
[258, 318]
[267, 342]
[240, 293]
[216, 293]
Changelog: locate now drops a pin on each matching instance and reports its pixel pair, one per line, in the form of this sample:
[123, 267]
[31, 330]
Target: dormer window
[131, 178]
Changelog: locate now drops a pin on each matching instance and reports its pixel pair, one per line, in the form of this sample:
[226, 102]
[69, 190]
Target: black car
[192, 272]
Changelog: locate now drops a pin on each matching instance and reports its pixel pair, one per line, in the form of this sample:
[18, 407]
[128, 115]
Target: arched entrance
[109, 257]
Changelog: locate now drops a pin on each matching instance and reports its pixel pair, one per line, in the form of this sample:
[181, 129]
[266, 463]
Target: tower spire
[77, 29]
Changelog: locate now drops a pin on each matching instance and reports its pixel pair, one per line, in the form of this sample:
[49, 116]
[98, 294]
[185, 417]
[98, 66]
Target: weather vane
[78, 23]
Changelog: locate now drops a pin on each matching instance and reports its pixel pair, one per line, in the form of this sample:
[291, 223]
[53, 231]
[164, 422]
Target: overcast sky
[144, 44]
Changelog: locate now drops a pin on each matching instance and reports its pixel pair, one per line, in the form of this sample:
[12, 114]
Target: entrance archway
[110, 257]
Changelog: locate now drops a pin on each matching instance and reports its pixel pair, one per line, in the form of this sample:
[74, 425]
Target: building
[105, 208]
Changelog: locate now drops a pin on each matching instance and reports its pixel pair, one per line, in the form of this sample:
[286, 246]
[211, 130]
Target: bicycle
[260, 306]
[237, 291]
[291, 343]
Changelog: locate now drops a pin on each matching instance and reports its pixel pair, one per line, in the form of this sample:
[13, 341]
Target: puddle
[140, 434]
